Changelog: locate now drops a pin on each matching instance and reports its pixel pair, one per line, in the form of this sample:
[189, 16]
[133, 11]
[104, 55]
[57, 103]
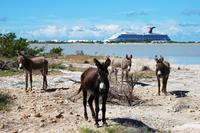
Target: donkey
[94, 81]
[30, 64]
[124, 65]
[162, 71]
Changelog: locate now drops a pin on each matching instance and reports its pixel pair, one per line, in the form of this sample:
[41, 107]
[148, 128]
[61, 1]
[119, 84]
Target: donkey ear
[97, 63]
[131, 56]
[21, 53]
[156, 58]
[107, 62]
[161, 58]
[126, 56]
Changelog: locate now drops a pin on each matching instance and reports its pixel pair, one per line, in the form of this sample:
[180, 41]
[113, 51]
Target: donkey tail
[79, 90]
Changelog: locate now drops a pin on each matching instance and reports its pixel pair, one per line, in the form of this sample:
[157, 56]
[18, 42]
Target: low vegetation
[8, 73]
[116, 129]
[57, 51]
[5, 101]
[57, 66]
[10, 45]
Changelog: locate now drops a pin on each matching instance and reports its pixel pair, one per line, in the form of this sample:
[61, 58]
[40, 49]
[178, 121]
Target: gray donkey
[30, 64]
[94, 81]
[162, 71]
[123, 64]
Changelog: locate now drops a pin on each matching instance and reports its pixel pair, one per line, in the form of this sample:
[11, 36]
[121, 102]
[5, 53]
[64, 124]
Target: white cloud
[49, 30]
[101, 31]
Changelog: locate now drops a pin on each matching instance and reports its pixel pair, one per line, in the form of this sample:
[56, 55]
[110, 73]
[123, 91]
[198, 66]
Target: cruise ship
[148, 37]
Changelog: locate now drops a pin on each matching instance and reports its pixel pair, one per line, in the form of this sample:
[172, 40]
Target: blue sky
[99, 19]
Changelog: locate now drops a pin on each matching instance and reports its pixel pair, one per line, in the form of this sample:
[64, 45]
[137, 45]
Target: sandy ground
[52, 111]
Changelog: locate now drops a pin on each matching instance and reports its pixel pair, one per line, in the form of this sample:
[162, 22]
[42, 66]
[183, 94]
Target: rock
[191, 110]
[59, 115]
[71, 113]
[14, 131]
[2, 126]
[19, 108]
[53, 120]
[25, 116]
[42, 124]
[43, 120]
[38, 115]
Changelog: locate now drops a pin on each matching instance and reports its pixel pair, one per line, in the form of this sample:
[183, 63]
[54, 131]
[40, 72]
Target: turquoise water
[175, 53]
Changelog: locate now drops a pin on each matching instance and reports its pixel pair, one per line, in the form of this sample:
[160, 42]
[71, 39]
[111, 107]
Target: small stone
[71, 113]
[25, 116]
[191, 110]
[59, 115]
[43, 120]
[53, 120]
[15, 131]
[42, 124]
[2, 126]
[38, 115]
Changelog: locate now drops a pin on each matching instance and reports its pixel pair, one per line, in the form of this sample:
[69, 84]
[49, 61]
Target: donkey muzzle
[159, 73]
[20, 66]
[129, 68]
[102, 86]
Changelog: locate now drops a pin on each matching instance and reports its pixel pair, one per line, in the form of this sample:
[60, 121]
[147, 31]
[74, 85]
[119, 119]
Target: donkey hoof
[105, 124]
[96, 125]
[86, 118]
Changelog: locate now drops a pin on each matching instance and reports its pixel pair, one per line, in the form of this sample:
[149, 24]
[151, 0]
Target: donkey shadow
[54, 89]
[133, 123]
[179, 93]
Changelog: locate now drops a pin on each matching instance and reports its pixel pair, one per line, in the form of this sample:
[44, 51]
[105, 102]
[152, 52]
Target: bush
[57, 66]
[10, 45]
[57, 51]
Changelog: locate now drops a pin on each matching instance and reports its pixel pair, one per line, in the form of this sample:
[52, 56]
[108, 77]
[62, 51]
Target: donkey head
[103, 73]
[159, 65]
[128, 62]
[21, 59]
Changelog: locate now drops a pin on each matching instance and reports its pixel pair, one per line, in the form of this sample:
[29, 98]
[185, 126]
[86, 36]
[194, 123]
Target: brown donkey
[162, 71]
[30, 64]
[123, 64]
[94, 81]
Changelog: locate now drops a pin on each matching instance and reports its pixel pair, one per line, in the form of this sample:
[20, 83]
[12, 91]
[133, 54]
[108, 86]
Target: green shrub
[57, 66]
[10, 45]
[57, 51]
[87, 130]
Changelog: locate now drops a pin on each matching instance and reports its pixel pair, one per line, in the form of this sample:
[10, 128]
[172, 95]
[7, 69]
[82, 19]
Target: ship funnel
[151, 29]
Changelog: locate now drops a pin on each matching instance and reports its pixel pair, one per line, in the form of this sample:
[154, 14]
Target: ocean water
[175, 53]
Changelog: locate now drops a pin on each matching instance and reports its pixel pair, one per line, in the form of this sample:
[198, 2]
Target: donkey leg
[90, 100]
[31, 79]
[115, 71]
[84, 104]
[164, 85]
[97, 110]
[158, 85]
[45, 80]
[26, 80]
[104, 98]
